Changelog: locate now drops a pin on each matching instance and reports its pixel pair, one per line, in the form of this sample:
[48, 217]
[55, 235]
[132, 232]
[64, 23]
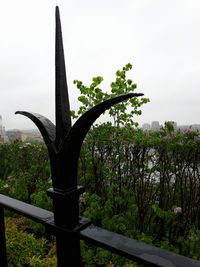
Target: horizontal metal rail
[39, 215]
[137, 251]
[140, 252]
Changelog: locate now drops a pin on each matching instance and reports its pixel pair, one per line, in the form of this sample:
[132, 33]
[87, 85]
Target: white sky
[161, 38]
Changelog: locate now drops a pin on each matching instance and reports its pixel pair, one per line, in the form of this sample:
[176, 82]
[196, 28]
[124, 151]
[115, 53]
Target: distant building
[195, 127]
[3, 137]
[1, 140]
[34, 135]
[1, 126]
[192, 126]
[155, 125]
[16, 135]
[146, 127]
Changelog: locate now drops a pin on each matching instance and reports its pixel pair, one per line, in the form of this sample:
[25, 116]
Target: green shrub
[22, 246]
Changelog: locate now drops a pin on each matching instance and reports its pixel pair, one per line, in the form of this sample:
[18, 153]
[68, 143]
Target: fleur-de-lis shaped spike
[63, 140]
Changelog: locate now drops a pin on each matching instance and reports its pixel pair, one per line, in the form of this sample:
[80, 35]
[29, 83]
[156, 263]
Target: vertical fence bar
[3, 258]
[68, 250]
[66, 215]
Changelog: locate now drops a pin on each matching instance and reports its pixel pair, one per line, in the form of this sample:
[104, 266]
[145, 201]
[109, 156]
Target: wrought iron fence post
[64, 143]
[3, 258]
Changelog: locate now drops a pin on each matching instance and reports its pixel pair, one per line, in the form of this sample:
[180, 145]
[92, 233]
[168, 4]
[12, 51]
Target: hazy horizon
[140, 125]
[160, 38]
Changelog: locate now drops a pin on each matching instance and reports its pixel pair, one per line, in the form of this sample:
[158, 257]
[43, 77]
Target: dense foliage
[145, 185]
[141, 184]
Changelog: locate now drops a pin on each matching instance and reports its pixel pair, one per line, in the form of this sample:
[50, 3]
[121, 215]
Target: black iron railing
[140, 252]
[64, 143]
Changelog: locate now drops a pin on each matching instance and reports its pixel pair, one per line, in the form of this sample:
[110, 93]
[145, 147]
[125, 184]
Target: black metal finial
[62, 140]
[64, 143]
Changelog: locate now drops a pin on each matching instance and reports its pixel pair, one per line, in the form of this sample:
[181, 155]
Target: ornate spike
[46, 127]
[63, 118]
[64, 144]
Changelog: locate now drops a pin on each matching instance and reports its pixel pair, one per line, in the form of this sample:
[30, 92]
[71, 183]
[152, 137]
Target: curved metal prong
[81, 127]
[45, 126]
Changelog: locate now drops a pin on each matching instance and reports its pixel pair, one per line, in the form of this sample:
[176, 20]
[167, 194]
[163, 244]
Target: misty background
[160, 38]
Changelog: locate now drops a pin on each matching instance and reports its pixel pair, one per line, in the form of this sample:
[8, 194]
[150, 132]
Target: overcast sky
[161, 38]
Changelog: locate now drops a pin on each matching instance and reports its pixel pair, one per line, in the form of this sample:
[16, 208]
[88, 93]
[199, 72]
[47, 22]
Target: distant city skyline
[156, 125]
[152, 124]
[33, 134]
